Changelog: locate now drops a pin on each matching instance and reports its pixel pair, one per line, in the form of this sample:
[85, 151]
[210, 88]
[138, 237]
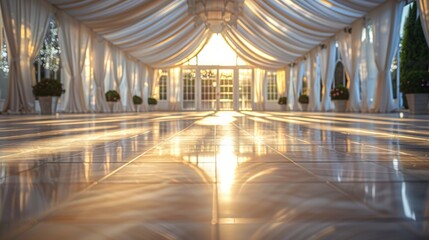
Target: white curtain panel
[291, 98]
[258, 90]
[100, 58]
[130, 82]
[350, 50]
[298, 84]
[74, 42]
[154, 83]
[314, 90]
[143, 76]
[118, 69]
[368, 73]
[287, 71]
[174, 89]
[327, 65]
[25, 24]
[423, 6]
[386, 26]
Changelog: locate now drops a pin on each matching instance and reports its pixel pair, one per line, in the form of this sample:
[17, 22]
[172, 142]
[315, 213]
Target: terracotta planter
[340, 105]
[48, 105]
[418, 102]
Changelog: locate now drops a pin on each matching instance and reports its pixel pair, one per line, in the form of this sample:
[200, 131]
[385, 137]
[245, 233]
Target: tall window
[189, 88]
[163, 85]
[48, 62]
[272, 92]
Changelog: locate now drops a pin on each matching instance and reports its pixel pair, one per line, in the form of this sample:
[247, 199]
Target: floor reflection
[223, 175]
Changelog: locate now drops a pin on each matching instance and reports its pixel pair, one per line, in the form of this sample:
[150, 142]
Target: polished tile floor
[214, 175]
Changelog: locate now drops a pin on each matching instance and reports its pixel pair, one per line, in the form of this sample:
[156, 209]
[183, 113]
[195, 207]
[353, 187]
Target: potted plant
[415, 86]
[48, 91]
[282, 102]
[112, 96]
[137, 100]
[304, 99]
[340, 95]
[152, 102]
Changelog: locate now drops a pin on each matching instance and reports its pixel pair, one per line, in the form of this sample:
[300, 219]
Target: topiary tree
[414, 52]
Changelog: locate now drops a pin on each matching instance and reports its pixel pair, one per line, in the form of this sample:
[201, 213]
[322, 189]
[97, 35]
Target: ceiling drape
[269, 34]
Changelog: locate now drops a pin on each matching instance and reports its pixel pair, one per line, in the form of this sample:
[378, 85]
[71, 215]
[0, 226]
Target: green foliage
[152, 101]
[415, 82]
[137, 100]
[112, 96]
[48, 87]
[303, 98]
[282, 101]
[414, 51]
[339, 93]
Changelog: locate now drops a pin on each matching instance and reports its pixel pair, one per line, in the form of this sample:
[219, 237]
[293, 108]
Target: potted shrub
[48, 91]
[282, 102]
[112, 96]
[304, 99]
[137, 100]
[152, 102]
[415, 86]
[340, 95]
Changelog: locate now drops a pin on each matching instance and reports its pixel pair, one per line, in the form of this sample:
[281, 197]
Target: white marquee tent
[134, 38]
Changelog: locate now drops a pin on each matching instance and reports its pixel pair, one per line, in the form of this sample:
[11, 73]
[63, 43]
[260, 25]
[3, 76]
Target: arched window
[340, 77]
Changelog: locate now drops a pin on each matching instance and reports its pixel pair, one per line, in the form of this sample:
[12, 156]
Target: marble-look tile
[214, 175]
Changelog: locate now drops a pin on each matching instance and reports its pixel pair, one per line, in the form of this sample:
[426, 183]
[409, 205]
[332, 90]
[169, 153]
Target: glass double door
[217, 89]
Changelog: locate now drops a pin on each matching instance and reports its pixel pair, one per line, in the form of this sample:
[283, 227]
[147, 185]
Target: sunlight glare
[217, 52]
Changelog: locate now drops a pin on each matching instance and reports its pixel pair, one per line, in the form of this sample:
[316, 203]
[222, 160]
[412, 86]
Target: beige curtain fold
[74, 42]
[25, 24]
[100, 57]
[350, 49]
[386, 24]
[327, 66]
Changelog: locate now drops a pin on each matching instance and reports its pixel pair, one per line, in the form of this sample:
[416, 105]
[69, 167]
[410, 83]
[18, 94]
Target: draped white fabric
[74, 42]
[298, 84]
[327, 65]
[350, 49]
[162, 33]
[143, 73]
[423, 6]
[287, 84]
[314, 86]
[174, 90]
[291, 98]
[386, 20]
[100, 57]
[154, 84]
[368, 73]
[25, 23]
[130, 84]
[260, 76]
[118, 69]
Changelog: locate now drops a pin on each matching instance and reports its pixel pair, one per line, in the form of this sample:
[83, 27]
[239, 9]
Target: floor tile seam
[325, 180]
[40, 218]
